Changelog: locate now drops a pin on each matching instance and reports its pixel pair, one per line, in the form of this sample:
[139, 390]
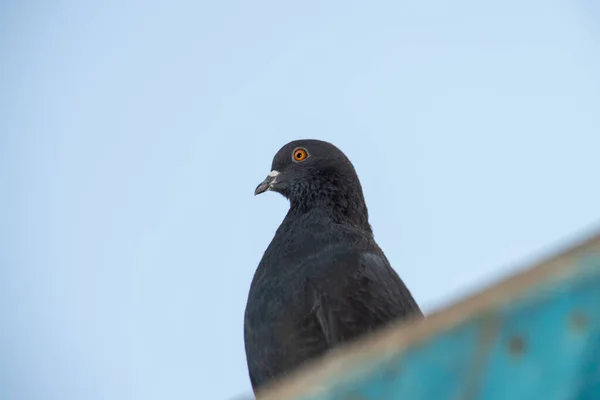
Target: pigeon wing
[360, 293]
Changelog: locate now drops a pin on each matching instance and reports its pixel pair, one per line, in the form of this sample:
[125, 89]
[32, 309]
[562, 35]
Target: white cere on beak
[274, 173]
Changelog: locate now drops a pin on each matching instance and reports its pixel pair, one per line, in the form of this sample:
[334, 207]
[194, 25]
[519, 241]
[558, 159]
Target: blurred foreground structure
[534, 336]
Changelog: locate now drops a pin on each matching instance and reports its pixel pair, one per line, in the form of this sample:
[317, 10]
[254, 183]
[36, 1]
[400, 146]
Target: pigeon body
[323, 280]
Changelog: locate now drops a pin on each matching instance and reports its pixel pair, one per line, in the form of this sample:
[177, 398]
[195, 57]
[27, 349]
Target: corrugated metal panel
[534, 336]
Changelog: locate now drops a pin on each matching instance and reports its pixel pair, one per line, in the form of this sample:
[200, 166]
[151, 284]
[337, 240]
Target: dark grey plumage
[323, 280]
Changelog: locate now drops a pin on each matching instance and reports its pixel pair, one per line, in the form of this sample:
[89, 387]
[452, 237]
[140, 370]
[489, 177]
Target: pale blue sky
[134, 133]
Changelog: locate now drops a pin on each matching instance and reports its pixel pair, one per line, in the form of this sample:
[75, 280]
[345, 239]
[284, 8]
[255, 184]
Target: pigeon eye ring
[299, 154]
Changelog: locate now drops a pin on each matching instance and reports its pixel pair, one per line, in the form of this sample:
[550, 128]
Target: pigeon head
[316, 174]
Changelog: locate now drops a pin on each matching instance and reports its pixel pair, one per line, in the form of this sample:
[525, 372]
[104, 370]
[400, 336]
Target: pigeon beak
[267, 184]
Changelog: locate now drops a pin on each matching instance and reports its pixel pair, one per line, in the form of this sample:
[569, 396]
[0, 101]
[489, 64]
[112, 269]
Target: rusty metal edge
[314, 376]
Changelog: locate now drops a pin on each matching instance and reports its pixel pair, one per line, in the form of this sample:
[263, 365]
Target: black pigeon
[323, 280]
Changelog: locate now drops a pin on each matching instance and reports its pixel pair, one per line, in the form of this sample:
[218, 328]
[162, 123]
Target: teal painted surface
[544, 345]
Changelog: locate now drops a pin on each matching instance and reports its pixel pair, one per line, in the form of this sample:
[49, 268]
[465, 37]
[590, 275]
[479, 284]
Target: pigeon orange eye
[300, 155]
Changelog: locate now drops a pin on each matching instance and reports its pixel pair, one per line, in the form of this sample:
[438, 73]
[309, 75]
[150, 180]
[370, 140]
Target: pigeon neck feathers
[335, 195]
